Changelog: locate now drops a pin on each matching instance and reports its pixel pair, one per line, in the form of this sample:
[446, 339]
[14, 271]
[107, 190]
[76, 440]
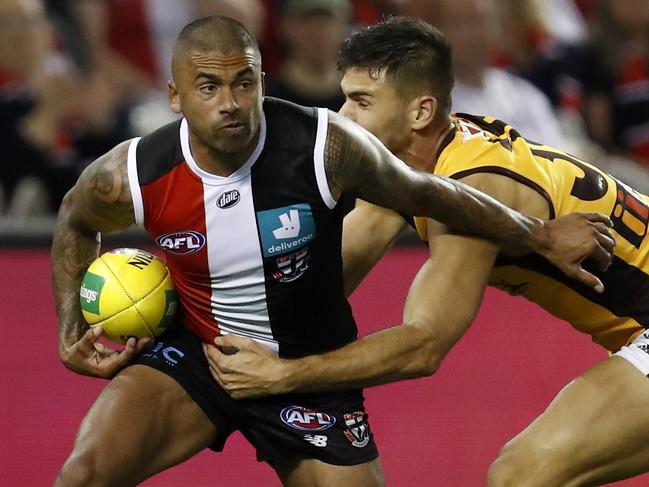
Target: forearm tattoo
[99, 202]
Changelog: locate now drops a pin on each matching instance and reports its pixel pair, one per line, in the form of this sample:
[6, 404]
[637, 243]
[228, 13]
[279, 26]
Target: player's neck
[423, 150]
[217, 162]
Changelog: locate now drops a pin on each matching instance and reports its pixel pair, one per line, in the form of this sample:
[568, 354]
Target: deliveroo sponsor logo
[285, 229]
[90, 292]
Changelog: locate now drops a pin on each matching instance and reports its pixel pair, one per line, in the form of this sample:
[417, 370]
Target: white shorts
[637, 352]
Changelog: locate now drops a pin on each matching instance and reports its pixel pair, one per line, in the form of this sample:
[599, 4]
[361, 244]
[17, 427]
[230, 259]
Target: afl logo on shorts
[228, 199]
[181, 243]
[304, 419]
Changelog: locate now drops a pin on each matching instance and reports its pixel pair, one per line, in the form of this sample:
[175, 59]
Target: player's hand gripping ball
[129, 293]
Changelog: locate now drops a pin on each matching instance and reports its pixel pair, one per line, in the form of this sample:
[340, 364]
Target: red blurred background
[441, 431]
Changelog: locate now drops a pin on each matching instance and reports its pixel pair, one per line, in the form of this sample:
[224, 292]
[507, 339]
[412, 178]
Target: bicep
[445, 295]
[100, 201]
[448, 290]
[357, 161]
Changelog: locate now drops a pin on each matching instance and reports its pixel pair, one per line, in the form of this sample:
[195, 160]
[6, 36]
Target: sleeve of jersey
[134, 183]
[318, 158]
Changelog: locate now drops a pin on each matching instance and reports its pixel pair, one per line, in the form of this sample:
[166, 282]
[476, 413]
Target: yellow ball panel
[101, 294]
[138, 271]
[159, 307]
[123, 325]
[130, 293]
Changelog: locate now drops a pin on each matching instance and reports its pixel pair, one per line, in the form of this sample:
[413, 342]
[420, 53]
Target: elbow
[428, 365]
[428, 355]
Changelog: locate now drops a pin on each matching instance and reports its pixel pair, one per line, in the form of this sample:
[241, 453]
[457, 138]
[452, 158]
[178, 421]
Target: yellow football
[129, 292]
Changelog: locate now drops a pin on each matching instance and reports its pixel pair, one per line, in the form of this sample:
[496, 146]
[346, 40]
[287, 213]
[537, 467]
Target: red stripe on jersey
[174, 203]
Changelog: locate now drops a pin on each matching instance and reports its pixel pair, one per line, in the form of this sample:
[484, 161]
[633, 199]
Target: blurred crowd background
[79, 76]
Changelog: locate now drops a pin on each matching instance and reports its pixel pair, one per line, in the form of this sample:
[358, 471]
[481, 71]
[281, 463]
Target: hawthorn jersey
[614, 318]
[257, 253]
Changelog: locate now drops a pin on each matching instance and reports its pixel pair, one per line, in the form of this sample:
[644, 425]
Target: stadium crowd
[78, 76]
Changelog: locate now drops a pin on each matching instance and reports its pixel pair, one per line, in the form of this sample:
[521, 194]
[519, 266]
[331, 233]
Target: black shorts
[330, 427]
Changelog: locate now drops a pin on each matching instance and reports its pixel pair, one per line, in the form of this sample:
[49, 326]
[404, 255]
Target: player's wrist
[286, 372]
[540, 238]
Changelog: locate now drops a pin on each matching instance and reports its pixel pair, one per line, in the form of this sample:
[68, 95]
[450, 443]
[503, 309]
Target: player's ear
[423, 112]
[174, 99]
[263, 84]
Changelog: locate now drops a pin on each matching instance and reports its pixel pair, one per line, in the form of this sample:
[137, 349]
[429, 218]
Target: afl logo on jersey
[181, 243]
[304, 419]
[228, 199]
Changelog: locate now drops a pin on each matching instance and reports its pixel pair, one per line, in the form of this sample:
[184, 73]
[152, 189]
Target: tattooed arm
[356, 160]
[100, 201]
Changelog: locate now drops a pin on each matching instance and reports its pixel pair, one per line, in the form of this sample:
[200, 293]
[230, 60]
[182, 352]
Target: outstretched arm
[441, 305]
[100, 201]
[356, 160]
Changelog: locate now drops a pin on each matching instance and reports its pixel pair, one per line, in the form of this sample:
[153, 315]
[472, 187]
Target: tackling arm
[441, 305]
[356, 160]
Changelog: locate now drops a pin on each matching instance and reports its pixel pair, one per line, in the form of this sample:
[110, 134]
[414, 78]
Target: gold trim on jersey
[613, 318]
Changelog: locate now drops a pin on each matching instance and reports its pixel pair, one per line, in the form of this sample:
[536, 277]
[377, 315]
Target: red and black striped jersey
[257, 253]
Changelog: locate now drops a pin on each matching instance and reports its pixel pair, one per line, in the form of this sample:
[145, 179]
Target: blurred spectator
[616, 77]
[53, 120]
[600, 88]
[472, 28]
[562, 19]
[563, 70]
[129, 43]
[312, 31]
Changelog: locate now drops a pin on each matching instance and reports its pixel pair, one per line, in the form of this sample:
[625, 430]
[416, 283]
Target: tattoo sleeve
[100, 201]
[356, 160]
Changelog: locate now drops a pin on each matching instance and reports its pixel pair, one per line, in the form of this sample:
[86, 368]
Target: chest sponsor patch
[286, 229]
[181, 243]
[228, 199]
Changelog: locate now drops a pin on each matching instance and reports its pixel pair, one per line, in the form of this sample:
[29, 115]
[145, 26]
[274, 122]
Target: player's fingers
[607, 243]
[220, 378]
[598, 217]
[589, 280]
[230, 344]
[604, 230]
[216, 372]
[601, 256]
[215, 357]
[143, 343]
[87, 341]
[119, 360]
[103, 350]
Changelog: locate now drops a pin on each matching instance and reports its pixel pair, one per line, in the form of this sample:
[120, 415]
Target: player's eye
[208, 88]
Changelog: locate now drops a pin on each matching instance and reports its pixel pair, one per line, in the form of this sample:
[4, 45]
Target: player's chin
[233, 144]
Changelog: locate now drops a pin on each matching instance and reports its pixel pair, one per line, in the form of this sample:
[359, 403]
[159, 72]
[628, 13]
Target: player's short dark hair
[411, 52]
[213, 32]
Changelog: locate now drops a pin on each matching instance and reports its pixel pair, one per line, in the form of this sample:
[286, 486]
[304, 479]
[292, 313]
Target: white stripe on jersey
[233, 250]
[134, 183]
[318, 158]
[209, 178]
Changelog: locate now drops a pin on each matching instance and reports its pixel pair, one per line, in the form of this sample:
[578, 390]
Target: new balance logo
[316, 440]
[290, 225]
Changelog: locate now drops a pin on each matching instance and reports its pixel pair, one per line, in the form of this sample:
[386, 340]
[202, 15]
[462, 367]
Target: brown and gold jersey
[613, 318]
